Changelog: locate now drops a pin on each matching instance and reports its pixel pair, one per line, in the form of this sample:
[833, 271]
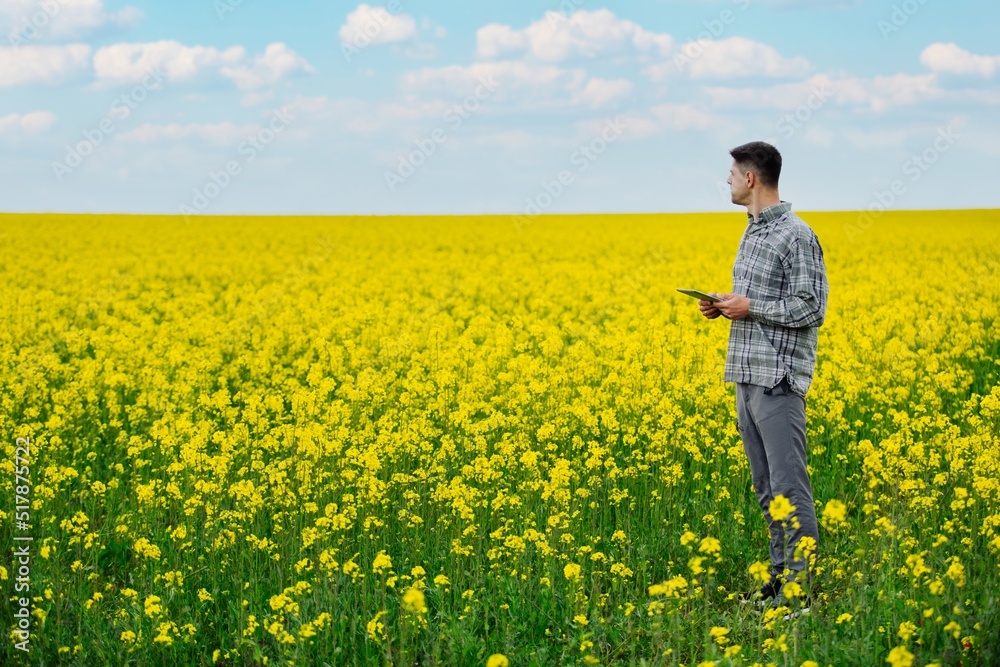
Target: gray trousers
[772, 424]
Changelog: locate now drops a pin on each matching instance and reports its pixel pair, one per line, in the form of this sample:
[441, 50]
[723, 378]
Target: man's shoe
[798, 606]
[760, 597]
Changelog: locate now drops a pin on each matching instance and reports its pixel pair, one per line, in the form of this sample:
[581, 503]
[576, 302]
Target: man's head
[756, 166]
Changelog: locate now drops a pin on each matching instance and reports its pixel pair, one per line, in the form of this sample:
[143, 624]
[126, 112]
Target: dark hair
[762, 159]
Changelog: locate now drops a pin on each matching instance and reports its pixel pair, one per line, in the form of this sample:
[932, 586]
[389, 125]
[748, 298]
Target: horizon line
[210, 216]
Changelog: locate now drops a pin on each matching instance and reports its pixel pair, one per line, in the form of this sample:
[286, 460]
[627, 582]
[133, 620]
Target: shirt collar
[771, 212]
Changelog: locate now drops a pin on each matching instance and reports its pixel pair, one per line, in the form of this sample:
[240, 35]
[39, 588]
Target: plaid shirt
[780, 267]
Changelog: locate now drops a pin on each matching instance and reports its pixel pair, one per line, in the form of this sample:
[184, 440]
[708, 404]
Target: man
[778, 302]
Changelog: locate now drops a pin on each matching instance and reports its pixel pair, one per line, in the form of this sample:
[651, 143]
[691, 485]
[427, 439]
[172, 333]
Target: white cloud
[363, 117]
[536, 85]
[879, 93]
[128, 63]
[952, 59]
[277, 62]
[60, 19]
[222, 134]
[601, 92]
[901, 90]
[376, 25]
[412, 109]
[33, 122]
[728, 58]
[582, 34]
[670, 117]
[41, 64]
[817, 135]
[682, 117]
[510, 77]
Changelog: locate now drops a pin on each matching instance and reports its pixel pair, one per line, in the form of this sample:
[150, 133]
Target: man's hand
[708, 308]
[733, 306]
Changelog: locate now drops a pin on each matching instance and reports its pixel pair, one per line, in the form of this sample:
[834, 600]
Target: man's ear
[751, 178]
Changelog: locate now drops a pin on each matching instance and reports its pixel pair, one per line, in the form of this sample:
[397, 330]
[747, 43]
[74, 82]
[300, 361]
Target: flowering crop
[369, 441]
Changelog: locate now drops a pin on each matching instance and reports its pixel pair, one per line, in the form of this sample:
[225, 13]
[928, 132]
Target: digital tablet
[699, 295]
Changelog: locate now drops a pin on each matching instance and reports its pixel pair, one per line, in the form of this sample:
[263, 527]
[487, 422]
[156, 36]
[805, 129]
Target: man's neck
[762, 201]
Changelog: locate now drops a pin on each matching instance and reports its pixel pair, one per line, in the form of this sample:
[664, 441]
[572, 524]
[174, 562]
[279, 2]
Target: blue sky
[230, 106]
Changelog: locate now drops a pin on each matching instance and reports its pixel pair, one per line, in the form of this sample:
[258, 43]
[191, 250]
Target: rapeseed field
[484, 441]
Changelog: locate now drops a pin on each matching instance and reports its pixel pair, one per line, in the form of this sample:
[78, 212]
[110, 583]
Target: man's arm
[806, 305]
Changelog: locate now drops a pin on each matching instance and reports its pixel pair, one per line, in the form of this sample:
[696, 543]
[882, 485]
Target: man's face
[738, 188]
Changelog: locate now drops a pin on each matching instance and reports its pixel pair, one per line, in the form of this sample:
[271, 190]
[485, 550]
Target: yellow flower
[900, 657]
[381, 563]
[669, 588]
[581, 619]
[174, 578]
[497, 660]
[780, 508]
[957, 573]
[620, 570]
[144, 548]
[809, 663]
[844, 618]
[719, 635]
[153, 606]
[413, 601]
[163, 633]
[761, 572]
[792, 590]
[710, 546]
[906, 630]
[375, 628]
[835, 512]
[128, 637]
[572, 572]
